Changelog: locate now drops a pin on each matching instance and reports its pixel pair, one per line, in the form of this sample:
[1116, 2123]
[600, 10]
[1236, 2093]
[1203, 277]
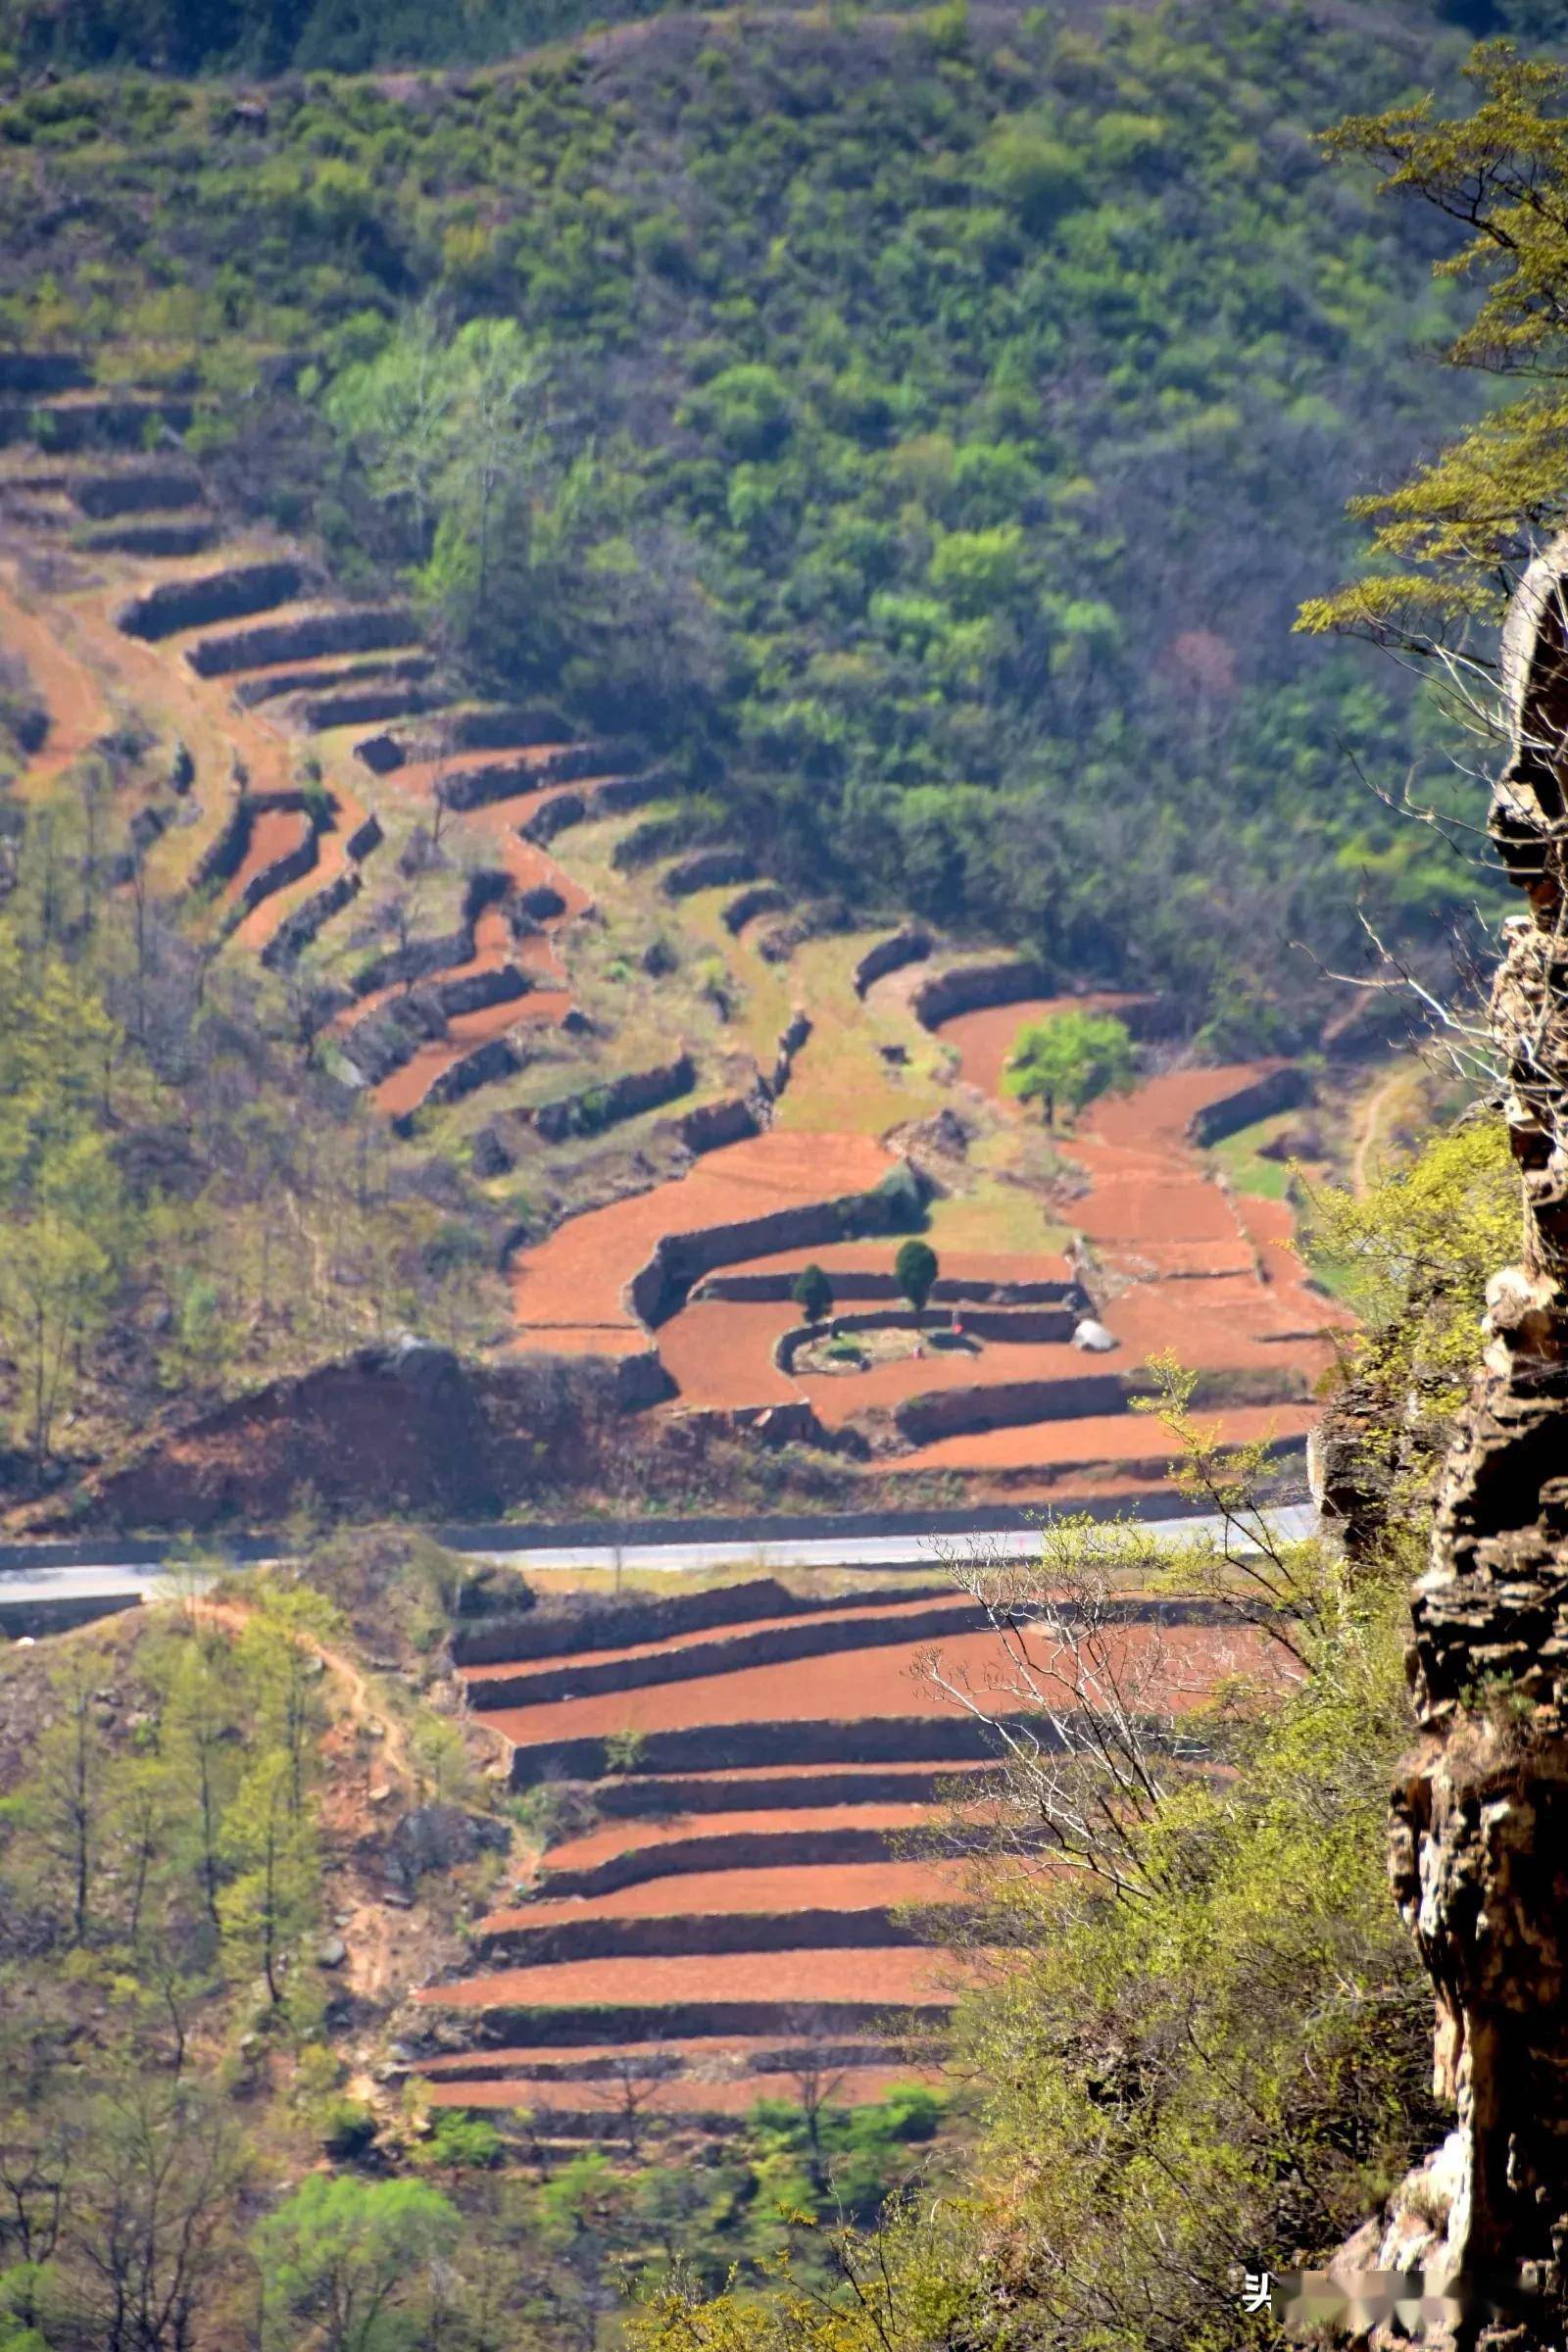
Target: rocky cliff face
[1480, 1828]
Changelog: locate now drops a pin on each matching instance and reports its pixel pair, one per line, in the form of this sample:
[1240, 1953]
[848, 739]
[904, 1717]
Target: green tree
[344, 2263]
[1449, 542]
[62, 1197]
[65, 1800]
[915, 1270]
[1069, 1061]
[269, 1902]
[812, 1292]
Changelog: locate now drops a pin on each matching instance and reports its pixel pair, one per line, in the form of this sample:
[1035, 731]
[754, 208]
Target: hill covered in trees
[920, 430]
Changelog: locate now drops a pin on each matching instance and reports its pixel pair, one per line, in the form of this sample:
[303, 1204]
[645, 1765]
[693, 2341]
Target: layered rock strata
[1480, 1828]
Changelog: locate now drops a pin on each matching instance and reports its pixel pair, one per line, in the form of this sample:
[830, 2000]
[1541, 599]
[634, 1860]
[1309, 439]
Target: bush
[812, 1292]
[914, 1270]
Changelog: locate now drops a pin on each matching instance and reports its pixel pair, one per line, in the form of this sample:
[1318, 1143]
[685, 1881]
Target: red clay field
[870, 1978]
[849, 1686]
[762, 1857]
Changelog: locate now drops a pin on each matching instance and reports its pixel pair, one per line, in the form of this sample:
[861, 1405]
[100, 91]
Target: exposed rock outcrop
[1479, 1854]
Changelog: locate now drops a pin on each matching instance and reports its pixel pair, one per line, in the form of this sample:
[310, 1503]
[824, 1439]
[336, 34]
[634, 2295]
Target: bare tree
[635, 2080]
[149, 2225]
[1083, 1703]
[816, 2066]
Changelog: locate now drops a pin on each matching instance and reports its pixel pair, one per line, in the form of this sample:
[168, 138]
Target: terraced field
[679, 1087]
[743, 1899]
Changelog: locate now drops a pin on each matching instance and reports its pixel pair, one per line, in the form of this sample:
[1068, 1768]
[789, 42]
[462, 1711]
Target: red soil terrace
[577, 1279]
[709, 1883]
[894, 1973]
[850, 1614]
[704, 2093]
[844, 1887]
[615, 1838]
[985, 1040]
[849, 1686]
[1097, 1439]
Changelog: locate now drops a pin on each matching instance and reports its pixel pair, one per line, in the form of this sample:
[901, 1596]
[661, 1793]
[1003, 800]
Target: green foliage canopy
[916, 1271]
[1069, 1061]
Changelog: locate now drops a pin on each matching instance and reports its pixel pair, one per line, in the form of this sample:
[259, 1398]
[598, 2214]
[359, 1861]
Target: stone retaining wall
[595, 1108]
[656, 1800]
[367, 705]
[788, 1343]
[282, 872]
[741, 1849]
[349, 629]
[224, 855]
[779, 1288]
[712, 1125]
[613, 798]
[510, 726]
[1051, 1326]
[497, 1059]
[731, 1746]
[973, 987]
[295, 933]
[364, 839]
[660, 1287]
[1006, 1405]
[148, 490]
[761, 1645]
[176, 605]
[909, 946]
[585, 1622]
[162, 539]
[791, 1038]
[518, 2024]
[403, 967]
[272, 685]
[707, 869]
[1281, 1089]
[763, 897]
[675, 1934]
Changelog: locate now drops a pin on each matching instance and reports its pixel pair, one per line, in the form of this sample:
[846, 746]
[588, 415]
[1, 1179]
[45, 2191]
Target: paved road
[60, 1592]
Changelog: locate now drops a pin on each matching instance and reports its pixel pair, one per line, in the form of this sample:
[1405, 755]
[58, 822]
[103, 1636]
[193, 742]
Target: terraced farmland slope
[675, 1088]
[741, 1900]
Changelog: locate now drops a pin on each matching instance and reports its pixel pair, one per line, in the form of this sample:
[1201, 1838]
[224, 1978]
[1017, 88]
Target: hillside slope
[920, 428]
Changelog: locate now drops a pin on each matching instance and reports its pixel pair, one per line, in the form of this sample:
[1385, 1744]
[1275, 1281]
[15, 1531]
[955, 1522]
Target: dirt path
[1368, 1133]
[359, 1701]
[70, 690]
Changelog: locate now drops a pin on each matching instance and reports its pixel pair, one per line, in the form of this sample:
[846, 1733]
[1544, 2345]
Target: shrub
[812, 1292]
[914, 1270]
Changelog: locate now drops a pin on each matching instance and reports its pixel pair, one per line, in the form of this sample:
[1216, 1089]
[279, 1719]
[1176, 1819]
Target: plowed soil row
[680, 2095]
[823, 1887]
[847, 1687]
[891, 1974]
[613, 1839]
[870, 1610]
[1099, 1439]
